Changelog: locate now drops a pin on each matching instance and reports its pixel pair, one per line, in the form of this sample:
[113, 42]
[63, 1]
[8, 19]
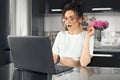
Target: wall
[52, 22]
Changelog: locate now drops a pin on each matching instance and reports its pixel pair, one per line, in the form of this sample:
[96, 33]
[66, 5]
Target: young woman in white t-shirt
[73, 46]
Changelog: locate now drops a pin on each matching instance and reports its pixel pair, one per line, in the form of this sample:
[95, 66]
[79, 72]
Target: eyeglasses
[71, 19]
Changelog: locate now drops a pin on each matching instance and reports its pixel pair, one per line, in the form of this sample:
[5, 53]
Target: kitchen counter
[108, 49]
[8, 72]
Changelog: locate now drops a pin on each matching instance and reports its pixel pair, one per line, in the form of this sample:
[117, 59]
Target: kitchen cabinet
[106, 57]
[101, 5]
[90, 6]
[56, 6]
[38, 7]
[38, 11]
[106, 61]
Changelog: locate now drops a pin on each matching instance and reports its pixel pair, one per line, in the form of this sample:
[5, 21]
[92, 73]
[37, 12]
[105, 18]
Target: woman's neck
[76, 31]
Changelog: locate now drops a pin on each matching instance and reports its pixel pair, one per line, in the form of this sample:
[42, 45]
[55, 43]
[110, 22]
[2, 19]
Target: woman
[74, 46]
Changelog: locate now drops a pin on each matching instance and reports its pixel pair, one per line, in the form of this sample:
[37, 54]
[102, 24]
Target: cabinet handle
[101, 9]
[56, 10]
[103, 55]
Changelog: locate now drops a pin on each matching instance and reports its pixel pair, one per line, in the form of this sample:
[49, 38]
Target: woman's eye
[71, 19]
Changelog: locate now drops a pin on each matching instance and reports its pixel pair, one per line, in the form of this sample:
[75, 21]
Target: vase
[98, 37]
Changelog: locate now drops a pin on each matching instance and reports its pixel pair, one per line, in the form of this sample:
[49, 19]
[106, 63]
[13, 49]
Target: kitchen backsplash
[52, 22]
[110, 36]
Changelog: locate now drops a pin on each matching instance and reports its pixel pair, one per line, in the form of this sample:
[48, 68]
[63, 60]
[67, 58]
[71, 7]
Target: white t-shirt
[71, 46]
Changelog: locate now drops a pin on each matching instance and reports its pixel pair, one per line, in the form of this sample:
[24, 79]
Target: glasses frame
[70, 19]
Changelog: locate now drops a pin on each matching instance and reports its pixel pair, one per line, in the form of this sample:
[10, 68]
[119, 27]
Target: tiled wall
[52, 22]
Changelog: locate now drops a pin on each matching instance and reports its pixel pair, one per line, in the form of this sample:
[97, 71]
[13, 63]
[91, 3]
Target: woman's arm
[85, 57]
[55, 57]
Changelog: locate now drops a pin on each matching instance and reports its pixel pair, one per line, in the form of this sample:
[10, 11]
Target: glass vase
[98, 37]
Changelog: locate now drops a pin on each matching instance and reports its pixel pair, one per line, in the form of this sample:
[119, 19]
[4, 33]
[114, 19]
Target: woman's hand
[90, 31]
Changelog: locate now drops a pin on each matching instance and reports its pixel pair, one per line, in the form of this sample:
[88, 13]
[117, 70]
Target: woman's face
[71, 20]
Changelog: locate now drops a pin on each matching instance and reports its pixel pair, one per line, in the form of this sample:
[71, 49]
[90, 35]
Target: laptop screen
[32, 53]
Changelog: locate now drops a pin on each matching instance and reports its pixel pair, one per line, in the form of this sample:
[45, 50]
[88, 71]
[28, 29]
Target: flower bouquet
[101, 25]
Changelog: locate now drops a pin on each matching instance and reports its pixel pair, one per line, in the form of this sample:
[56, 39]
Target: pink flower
[99, 24]
[93, 24]
[105, 24]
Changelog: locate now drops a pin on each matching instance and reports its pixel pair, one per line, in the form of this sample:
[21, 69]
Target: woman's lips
[69, 25]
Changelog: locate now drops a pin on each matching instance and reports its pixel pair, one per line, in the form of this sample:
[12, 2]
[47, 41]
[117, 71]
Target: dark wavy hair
[74, 5]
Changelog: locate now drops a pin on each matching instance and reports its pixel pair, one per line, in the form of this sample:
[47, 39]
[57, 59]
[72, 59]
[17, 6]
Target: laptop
[34, 53]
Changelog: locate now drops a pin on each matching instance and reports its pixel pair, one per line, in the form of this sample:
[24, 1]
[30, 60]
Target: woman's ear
[80, 20]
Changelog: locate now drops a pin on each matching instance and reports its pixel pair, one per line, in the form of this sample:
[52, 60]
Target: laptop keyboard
[61, 68]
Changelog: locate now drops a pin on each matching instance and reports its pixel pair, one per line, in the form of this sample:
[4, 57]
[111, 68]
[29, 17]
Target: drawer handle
[103, 55]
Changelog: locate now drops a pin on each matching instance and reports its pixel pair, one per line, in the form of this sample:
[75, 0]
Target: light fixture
[101, 9]
[56, 10]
